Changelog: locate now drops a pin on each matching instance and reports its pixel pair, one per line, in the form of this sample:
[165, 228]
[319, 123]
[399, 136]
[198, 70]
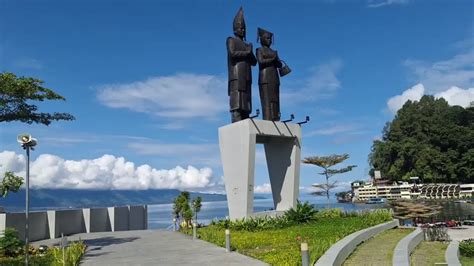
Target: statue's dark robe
[239, 62]
[269, 82]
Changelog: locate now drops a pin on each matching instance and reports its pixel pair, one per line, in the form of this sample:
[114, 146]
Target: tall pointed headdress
[261, 32]
[239, 19]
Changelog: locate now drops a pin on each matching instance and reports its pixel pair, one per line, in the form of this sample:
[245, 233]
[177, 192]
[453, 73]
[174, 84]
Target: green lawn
[466, 261]
[282, 246]
[378, 250]
[428, 253]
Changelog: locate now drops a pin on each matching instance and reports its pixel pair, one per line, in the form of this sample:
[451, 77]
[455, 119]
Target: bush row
[466, 248]
[302, 214]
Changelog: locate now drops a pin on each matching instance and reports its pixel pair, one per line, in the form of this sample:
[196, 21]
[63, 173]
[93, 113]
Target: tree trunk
[327, 186]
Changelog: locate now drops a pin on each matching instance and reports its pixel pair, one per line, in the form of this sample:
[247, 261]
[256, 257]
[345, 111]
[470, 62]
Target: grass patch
[466, 261]
[378, 250]
[428, 253]
[281, 246]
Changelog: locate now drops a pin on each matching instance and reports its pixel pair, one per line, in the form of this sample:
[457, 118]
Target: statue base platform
[282, 145]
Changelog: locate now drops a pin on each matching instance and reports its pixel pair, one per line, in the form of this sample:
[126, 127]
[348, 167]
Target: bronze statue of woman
[268, 78]
[240, 58]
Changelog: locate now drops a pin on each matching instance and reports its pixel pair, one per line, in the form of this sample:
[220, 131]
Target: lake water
[160, 216]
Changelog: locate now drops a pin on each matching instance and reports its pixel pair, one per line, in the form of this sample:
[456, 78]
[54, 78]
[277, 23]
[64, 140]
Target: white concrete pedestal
[282, 144]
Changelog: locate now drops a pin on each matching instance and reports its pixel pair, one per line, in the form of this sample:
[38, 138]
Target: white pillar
[86, 214]
[52, 224]
[282, 144]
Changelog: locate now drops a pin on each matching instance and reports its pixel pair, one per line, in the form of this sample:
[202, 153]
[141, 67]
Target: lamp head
[25, 139]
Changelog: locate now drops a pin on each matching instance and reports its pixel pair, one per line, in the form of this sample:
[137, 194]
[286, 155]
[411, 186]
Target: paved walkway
[152, 247]
[461, 233]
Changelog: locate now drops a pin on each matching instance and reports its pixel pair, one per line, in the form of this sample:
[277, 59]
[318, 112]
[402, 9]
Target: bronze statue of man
[240, 58]
[268, 78]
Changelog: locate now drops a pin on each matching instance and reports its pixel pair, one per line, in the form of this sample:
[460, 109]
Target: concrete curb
[452, 254]
[401, 254]
[339, 252]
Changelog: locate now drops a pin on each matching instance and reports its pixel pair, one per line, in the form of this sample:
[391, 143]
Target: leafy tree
[15, 95]
[10, 182]
[182, 209]
[428, 139]
[343, 195]
[197, 204]
[326, 162]
[17, 92]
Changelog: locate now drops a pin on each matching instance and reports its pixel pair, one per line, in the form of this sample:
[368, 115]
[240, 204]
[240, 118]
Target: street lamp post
[27, 143]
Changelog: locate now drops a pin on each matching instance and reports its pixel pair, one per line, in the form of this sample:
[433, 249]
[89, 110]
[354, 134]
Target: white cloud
[10, 161]
[174, 125]
[178, 96]
[106, 172]
[453, 95]
[457, 96]
[169, 149]
[340, 186]
[204, 154]
[263, 189]
[441, 75]
[322, 83]
[381, 3]
[443, 79]
[414, 94]
[323, 80]
[334, 129]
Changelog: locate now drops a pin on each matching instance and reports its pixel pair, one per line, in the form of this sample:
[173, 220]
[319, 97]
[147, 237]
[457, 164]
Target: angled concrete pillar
[86, 214]
[282, 144]
[52, 224]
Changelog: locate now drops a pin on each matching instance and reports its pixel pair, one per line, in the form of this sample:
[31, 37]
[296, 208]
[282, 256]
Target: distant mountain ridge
[85, 198]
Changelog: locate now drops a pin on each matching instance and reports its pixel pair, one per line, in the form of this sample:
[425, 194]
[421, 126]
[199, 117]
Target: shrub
[253, 224]
[303, 213]
[10, 243]
[329, 213]
[72, 254]
[436, 234]
[466, 248]
[379, 215]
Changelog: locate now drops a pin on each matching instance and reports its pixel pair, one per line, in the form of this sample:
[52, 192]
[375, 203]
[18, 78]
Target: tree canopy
[428, 139]
[183, 210]
[16, 93]
[408, 209]
[10, 183]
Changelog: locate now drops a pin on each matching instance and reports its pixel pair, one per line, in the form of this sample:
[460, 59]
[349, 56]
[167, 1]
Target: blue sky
[146, 81]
